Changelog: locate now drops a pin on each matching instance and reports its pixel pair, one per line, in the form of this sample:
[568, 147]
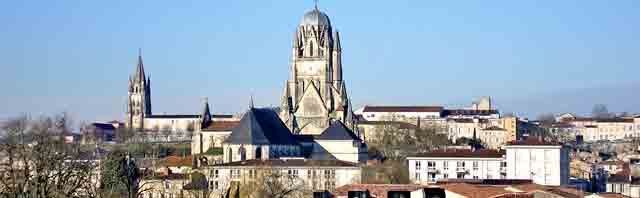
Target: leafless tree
[600, 111]
[36, 162]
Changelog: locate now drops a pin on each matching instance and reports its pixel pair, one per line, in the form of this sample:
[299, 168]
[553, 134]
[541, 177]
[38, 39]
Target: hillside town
[316, 143]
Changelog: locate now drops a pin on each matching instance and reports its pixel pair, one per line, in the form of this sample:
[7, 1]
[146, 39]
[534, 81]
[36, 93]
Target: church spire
[139, 75]
[336, 43]
[206, 114]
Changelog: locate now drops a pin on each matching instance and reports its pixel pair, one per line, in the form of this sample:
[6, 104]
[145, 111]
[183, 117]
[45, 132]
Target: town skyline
[195, 62]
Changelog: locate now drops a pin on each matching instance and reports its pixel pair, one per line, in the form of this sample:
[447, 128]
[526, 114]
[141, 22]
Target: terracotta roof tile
[222, 126]
[175, 161]
[377, 190]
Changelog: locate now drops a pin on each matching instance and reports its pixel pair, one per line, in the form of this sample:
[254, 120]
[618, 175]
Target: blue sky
[530, 56]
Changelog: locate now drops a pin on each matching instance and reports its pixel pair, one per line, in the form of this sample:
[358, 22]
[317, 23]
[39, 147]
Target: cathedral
[315, 93]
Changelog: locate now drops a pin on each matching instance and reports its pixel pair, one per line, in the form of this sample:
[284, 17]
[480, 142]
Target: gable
[311, 103]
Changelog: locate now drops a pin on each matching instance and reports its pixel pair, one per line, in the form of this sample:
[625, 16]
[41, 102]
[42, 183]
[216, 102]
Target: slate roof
[103, 126]
[261, 126]
[338, 131]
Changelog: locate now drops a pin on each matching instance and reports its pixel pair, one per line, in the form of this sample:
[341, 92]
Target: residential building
[530, 159]
[318, 175]
[545, 163]
[165, 185]
[437, 165]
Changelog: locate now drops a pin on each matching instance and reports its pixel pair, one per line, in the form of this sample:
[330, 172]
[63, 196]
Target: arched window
[243, 153]
[230, 156]
[258, 152]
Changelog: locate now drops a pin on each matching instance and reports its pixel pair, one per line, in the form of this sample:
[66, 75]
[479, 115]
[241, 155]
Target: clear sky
[530, 56]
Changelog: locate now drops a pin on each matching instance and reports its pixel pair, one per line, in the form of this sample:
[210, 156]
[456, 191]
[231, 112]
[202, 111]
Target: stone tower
[315, 92]
[138, 98]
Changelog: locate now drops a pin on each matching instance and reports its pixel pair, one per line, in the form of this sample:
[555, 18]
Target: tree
[38, 163]
[121, 176]
[546, 118]
[388, 172]
[600, 111]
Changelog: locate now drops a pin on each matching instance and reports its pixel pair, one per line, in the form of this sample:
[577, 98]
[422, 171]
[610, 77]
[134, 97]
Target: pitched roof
[103, 126]
[173, 161]
[174, 116]
[221, 126]
[290, 163]
[261, 126]
[403, 109]
[338, 131]
[377, 190]
[485, 191]
[468, 153]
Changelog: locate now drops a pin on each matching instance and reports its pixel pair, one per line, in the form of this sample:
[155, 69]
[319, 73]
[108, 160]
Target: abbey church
[315, 108]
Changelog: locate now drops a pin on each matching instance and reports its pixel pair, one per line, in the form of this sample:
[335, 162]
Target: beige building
[315, 175]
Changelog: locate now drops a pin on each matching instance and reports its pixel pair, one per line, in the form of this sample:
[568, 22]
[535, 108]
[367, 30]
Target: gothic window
[230, 156]
[243, 153]
[258, 152]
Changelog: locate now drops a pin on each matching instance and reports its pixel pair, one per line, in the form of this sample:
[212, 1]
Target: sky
[531, 57]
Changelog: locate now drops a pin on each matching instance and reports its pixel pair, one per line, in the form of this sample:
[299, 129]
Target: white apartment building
[397, 113]
[543, 163]
[315, 174]
[430, 167]
[608, 129]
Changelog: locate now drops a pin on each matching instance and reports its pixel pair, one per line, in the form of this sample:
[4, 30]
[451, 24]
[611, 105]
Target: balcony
[431, 169]
[461, 169]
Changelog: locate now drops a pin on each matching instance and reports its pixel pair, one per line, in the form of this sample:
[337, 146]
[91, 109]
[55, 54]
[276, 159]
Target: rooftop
[221, 126]
[403, 109]
[533, 141]
[289, 163]
[463, 153]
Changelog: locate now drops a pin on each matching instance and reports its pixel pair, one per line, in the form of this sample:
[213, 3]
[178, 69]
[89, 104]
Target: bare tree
[600, 111]
[38, 163]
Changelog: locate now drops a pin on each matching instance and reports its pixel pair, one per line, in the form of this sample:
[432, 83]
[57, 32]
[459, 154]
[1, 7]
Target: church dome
[315, 17]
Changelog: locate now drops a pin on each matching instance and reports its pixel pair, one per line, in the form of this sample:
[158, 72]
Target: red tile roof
[377, 190]
[222, 126]
[611, 195]
[468, 153]
[403, 109]
[175, 161]
[481, 191]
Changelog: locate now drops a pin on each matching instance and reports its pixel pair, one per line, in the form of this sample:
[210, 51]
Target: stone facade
[315, 92]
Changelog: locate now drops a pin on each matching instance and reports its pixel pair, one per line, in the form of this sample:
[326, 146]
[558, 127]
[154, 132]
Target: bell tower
[138, 97]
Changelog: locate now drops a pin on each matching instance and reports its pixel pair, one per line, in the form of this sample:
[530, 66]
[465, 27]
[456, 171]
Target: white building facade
[456, 164]
[545, 164]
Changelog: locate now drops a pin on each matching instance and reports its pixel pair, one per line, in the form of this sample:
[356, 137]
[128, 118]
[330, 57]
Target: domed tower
[315, 92]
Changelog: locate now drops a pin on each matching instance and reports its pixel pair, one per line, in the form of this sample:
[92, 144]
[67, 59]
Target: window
[215, 174]
[475, 177]
[417, 176]
[418, 165]
[243, 153]
[292, 173]
[445, 176]
[446, 165]
[330, 185]
[431, 164]
[460, 164]
[258, 153]
[252, 174]
[475, 165]
[329, 174]
[460, 175]
[235, 174]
